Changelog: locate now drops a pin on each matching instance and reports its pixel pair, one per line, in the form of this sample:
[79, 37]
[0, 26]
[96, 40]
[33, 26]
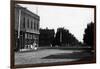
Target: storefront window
[26, 36]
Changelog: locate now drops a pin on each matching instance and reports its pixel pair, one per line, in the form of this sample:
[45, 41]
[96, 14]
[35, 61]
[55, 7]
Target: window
[37, 26]
[28, 23]
[24, 22]
[31, 24]
[34, 25]
[25, 35]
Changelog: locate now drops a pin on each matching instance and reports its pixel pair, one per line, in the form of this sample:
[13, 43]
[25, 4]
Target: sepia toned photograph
[53, 34]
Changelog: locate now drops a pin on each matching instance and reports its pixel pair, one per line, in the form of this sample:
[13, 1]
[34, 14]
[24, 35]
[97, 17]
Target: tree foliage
[46, 37]
[64, 37]
[89, 34]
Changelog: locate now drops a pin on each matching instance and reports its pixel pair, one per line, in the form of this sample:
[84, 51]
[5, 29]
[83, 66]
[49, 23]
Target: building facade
[26, 27]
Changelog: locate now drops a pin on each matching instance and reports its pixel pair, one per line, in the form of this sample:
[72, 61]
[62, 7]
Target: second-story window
[37, 26]
[24, 22]
[31, 24]
[27, 23]
[34, 25]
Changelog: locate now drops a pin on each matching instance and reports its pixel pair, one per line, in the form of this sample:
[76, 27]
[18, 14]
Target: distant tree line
[63, 37]
[46, 37]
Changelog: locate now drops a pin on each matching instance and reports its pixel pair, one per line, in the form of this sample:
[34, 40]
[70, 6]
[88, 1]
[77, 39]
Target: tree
[63, 37]
[89, 34]
[46, 37]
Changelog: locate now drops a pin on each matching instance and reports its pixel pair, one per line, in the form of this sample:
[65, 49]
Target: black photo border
[12, 37]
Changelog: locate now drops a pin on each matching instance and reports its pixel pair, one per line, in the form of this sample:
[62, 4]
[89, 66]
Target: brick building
[26, 27]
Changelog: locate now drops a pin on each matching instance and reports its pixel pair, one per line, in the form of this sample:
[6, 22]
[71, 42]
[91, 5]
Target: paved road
[35, 57]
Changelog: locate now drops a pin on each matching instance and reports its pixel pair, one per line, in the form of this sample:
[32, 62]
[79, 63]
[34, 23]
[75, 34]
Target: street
[39, 56]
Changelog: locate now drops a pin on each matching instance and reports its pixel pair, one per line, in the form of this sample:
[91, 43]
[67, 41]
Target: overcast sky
[72, 18]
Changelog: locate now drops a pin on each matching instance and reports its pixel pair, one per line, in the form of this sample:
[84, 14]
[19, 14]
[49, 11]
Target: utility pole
[37, 10]
[19, 24]
[19, 20]
[60, 36]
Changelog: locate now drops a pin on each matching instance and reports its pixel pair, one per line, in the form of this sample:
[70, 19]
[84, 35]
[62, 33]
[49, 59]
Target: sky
[74, 19]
